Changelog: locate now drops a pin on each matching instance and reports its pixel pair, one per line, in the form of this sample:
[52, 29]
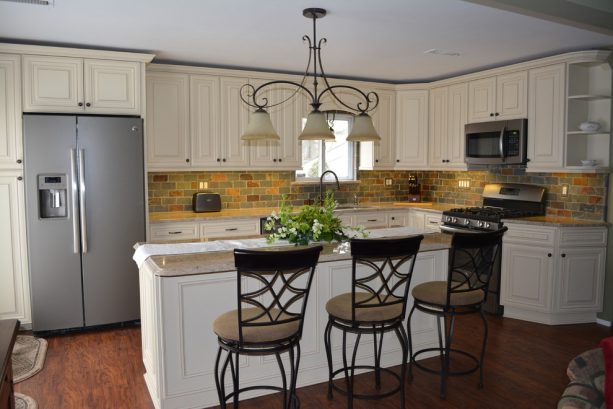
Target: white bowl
[588, 162]
[589, 126]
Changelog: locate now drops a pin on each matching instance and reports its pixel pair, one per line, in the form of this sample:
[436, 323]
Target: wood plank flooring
[525, 368]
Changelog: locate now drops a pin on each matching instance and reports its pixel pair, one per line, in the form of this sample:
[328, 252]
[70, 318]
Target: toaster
[206, 202]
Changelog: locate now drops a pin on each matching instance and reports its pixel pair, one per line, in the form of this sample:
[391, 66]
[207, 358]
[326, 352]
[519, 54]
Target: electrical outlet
[565, 190]
[464, 183]
[203, 185]
[388, 182]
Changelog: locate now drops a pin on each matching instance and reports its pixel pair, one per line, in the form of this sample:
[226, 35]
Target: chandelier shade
[316, 128]
[363, 130]
[260, 128]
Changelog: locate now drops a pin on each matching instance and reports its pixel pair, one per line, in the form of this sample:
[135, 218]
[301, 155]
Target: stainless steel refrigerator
[85, 207]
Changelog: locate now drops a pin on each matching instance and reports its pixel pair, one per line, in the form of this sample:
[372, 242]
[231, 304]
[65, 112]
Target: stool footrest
[472, 369]
[365, 396]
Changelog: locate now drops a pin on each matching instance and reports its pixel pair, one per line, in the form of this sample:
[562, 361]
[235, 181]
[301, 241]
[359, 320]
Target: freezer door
[53, 242]
[112, 216]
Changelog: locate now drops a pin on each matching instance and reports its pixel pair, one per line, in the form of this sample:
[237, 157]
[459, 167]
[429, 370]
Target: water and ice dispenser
[52, 201]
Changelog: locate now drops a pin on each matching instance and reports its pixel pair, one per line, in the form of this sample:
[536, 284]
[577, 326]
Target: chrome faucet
[321, 185]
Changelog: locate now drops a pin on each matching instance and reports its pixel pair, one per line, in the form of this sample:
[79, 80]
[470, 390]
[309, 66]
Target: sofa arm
[581, 396]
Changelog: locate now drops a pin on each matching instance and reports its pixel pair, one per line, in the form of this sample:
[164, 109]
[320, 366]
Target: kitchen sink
[353, 207]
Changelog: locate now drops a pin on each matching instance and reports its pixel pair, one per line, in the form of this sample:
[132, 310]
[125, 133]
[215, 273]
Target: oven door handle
[451, 229]
[501, 142]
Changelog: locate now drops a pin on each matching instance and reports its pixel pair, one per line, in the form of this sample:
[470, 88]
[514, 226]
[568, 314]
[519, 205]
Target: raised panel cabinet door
[457, 118]
[581, 281]
[412, 129]
[546, 117]
[437, 146]
[11, 146]
[14, 280]
[526, 277]
[398, 219]
[265, 154]
[112, 87]
[482, 100]
[52, 84]
[512, 95]
[417, 220]
[167, 133]
[234, 118]
[383, 120]
[204, 120]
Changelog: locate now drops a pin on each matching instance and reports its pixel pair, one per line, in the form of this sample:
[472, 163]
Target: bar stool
[273, 289]
[381, 275]
[473, 257]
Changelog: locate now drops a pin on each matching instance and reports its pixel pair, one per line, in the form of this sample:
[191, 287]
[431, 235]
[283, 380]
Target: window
[338, 156]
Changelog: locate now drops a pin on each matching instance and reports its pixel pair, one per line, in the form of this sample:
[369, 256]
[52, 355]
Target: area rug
[24, 402]
[28, 357]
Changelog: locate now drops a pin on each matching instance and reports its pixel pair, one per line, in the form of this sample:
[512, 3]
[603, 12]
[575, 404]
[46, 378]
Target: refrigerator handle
[82, 201]
[75, 206]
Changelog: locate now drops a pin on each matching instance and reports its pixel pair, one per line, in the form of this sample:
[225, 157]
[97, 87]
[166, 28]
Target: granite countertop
[555, 221]
[188, 216]
[223, 261]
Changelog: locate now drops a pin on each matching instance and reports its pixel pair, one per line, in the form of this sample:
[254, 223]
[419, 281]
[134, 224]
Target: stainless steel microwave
[496, 142]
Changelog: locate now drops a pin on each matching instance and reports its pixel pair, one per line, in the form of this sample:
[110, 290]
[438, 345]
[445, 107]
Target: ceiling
[382, 40]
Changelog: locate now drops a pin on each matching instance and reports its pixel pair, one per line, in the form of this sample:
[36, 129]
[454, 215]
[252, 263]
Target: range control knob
[479, 224]
[466, 222]
[448, 218]
[487, 225]
[455, 220]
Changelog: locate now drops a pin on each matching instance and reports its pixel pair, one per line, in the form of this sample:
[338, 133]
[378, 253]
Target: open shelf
[589, 97]
[587, 132]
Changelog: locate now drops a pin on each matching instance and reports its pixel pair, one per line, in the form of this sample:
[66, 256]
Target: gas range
[500, 201]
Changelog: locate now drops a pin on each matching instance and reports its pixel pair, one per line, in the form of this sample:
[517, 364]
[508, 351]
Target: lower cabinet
[216, 229]
[429, 222]
[553, 275]
[14, 280]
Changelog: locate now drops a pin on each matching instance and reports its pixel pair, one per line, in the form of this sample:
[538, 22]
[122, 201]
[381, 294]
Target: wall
[172, 191]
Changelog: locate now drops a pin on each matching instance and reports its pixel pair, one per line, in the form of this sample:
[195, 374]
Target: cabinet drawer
[371, 220]
[230, 228]
[523, 234]
[583, 237]
[174, 231]
[397, 219]
[432, 223]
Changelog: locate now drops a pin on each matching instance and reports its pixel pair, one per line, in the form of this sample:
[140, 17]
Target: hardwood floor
[525, 368]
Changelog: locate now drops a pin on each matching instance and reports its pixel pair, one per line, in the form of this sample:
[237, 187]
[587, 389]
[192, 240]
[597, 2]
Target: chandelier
[317, 126]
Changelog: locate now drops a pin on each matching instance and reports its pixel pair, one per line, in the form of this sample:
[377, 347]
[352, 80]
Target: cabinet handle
[88, 104]
[274, 160]
[397, 160]
[563, 255]
[377, 160]
[548, 254]
[372, 220]
[80, 104]
[280, 160]
[232, 229]
[218, 160]
[496, 114]
[19, 178]
[491, 114]
[19, 160]
[174, 232]
[223, 160]
[393, 218]
[187, 160]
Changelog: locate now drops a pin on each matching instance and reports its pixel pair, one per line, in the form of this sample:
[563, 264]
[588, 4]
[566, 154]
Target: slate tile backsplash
[172, 191]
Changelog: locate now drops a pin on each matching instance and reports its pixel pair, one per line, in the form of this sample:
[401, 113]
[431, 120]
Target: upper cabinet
[76, 85]
[381, 154]
[11, 152]
[498, 98]
[448, 115]
[412, 129]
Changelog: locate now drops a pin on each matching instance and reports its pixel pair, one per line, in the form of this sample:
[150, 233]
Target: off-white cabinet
[381, 154]
[411, 129]
[11, 148]
[553, 275]
[448, 115]
[66, 84]
[498, 98]
[14, 282]
[424, 220]
[209, 229]
[546, 118]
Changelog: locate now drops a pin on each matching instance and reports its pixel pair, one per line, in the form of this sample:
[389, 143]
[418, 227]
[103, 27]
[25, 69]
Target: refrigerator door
[112, 216]
[53, 242]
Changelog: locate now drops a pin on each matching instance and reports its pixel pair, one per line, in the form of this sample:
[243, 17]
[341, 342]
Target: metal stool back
[272, 293]
[472, 260]
[381, 275]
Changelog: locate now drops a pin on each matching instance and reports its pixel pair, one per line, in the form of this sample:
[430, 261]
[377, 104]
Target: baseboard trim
[603, 322]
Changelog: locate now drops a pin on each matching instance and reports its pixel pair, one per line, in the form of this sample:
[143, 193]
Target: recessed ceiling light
[448, 53]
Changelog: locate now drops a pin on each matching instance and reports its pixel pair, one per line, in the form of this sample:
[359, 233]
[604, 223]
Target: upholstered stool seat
[340, 307]
[226, 326]
[435, 293]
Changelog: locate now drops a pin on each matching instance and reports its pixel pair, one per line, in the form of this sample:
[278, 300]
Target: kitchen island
[182, 294]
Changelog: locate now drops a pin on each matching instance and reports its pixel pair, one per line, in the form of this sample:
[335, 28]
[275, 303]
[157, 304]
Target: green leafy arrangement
[312, 223]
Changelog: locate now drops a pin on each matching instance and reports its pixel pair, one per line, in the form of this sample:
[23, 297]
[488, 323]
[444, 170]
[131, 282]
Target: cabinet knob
[80, 104]
[377, 160]
[491, 114]
[223, 160]
[19, 160]
[19, 178]
[280, 160]
[218, 160]
[274, 160]
[548, 254]
[397, 160]
[88, 104]
[496, 114]
[187, 160]
[563, 255]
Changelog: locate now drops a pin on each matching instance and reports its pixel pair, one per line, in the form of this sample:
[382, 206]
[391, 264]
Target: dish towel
[607, 350]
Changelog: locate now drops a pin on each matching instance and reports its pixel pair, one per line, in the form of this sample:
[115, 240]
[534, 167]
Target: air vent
[36, 2]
